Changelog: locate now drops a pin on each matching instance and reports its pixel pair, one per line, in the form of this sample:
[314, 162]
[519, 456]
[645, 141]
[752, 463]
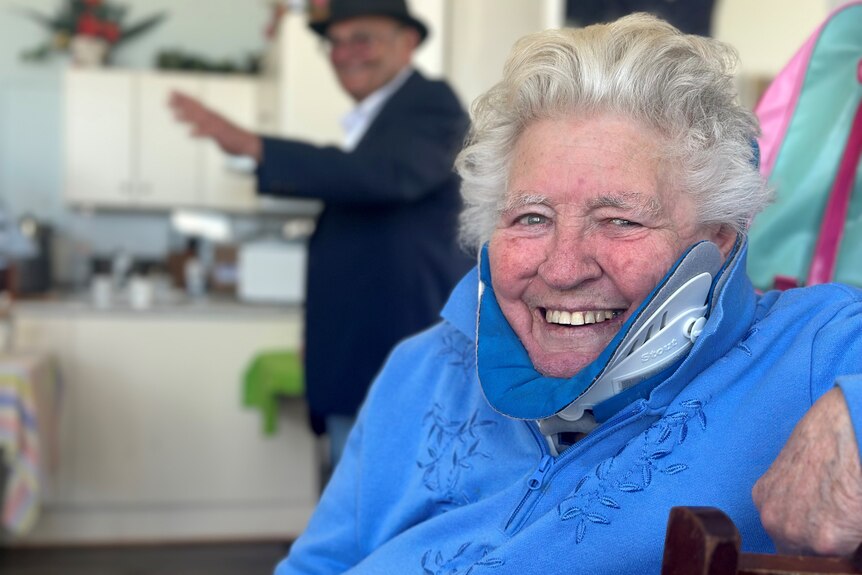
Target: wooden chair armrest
[704, 541]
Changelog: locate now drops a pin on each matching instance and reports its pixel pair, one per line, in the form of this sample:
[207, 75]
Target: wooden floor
[202, 559]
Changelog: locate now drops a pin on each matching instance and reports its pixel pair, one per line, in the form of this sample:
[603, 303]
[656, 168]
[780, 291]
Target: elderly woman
[608, 359]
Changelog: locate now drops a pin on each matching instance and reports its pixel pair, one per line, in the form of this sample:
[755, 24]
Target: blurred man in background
[384, 254]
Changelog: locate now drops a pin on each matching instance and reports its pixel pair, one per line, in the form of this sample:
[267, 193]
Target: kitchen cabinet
[124, 148]
[155, 442]
[98, 126]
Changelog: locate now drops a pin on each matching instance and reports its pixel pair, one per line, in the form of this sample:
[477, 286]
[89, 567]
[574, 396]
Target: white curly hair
[638, 67]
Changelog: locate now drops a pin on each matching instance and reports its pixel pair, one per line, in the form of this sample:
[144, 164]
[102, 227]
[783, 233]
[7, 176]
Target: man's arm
[208, 124]
[407, 153]
[810, 499]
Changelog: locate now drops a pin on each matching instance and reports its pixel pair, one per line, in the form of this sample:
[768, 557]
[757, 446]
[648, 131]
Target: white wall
[481, 34]
[767, 32]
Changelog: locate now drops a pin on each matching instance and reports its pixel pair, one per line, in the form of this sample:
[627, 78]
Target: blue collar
[513, 387]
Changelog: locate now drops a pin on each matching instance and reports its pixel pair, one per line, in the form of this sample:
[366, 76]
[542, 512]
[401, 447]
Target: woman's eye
[532, 220]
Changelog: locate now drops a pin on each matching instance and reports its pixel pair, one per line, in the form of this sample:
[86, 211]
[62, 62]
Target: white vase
[88, 51]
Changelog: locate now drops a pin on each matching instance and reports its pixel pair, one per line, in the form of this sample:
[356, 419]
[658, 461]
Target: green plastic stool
[271, 376]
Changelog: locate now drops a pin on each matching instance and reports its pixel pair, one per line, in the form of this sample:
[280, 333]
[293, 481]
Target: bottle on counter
[141, 287]
[194, 273]
[102, 284]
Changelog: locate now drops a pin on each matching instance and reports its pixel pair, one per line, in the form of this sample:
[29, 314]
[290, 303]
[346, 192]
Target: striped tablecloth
[29, 402]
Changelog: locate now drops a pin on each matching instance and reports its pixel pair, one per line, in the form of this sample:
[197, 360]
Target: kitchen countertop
[172, 303]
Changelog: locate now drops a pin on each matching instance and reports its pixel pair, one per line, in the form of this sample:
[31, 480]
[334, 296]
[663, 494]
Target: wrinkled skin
[810, 500]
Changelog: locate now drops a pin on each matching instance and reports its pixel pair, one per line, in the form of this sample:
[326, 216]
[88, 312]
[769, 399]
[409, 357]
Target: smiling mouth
[562, 317]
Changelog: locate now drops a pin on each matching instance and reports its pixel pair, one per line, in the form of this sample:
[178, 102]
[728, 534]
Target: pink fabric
[776, 106]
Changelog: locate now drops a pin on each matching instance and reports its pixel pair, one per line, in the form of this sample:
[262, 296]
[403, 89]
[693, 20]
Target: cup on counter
[140, 292]
[102, 291]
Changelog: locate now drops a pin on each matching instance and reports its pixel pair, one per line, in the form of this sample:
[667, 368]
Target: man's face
[590, 227]
[367, 52]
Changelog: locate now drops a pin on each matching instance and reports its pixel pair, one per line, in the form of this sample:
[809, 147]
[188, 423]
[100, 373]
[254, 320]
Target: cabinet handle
[126, 187]
[144, 188]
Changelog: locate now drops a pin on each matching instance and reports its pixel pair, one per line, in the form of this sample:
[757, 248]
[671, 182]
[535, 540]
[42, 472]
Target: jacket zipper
[549, 466]
[534, 484]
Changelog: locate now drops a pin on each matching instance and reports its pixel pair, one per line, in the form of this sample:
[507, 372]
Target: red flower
[88, 25]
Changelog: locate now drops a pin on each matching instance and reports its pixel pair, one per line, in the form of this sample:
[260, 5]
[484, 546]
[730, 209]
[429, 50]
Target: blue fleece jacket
[434, 481]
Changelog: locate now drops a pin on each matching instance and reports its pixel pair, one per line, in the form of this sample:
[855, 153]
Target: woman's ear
[725, 238]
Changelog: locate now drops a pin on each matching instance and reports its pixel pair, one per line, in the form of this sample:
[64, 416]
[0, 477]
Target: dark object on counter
[32, 275]
[177, 262]
[224, 276]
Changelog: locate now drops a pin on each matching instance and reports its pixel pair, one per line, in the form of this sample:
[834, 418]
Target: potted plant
[88, 29]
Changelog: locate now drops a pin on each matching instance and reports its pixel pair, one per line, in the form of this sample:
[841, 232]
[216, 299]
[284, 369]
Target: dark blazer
[384, 255]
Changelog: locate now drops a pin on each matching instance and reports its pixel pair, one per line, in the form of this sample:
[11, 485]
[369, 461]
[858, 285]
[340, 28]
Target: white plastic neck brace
[673, 320]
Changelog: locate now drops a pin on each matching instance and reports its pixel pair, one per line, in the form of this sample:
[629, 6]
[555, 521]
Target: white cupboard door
[168, 157]
[225, 182]
[99, 127]
[161, 419]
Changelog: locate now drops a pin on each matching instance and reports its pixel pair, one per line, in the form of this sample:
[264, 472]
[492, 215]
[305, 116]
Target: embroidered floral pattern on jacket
[462, 562]
[452, 447]
[599, 493]
[459, 351]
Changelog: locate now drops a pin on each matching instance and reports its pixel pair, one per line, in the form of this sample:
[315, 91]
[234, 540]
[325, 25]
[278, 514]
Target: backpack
[811, 119]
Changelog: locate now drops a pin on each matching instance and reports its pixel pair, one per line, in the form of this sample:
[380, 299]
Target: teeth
[563, 317]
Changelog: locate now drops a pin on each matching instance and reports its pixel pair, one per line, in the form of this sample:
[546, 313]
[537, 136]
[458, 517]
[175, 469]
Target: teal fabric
[783, 237]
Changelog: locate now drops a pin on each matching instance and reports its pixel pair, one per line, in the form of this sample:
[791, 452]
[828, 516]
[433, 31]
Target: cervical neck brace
[653, 339]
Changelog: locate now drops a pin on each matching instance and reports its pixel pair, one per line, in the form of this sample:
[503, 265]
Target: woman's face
[589, 228]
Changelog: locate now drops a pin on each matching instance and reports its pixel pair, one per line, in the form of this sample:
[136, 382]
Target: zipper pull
[538, 477]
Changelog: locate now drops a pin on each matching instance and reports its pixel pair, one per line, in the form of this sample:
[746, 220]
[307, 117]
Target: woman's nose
[569, 261]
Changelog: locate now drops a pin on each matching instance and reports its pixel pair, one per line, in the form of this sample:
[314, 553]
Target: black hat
[344, 9]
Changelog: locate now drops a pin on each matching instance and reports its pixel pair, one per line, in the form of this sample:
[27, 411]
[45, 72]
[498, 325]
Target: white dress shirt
[355, 123]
